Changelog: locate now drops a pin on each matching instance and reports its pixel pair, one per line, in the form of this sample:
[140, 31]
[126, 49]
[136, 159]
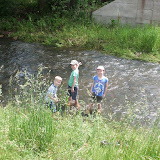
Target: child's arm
[74, 82]
[105, 91]
[92, 87]
[55, 99]
[79, 64]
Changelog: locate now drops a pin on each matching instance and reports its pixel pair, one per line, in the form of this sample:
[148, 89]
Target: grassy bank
[141, 42]
[29, 131]
[34, 134]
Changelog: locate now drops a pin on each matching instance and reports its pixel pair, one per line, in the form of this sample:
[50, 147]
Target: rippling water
[130, 81]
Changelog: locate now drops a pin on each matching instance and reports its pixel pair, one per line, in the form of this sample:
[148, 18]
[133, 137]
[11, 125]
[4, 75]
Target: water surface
[130, 81]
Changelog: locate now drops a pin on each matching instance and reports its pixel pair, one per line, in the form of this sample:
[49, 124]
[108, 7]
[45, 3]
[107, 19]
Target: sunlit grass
[35, 133]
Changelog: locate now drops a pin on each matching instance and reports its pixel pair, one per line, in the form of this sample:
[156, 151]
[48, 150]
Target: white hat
[74, 62]
[100, 67]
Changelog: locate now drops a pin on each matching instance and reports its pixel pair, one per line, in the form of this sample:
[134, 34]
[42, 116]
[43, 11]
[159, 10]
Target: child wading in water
[73, 84]
[51, 96]
[98, 88]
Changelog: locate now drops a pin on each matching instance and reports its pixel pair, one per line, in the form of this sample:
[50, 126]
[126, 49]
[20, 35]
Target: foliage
[34, 134]
[141, 42]
[23, 8]
[17, 7]
[77, 29]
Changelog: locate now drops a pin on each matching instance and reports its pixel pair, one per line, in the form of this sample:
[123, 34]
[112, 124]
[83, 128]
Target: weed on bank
[34, 134]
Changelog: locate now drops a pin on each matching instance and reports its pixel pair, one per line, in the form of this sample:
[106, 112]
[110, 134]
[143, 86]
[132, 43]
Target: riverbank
[34, 134]
[29, 131]
[139, 43]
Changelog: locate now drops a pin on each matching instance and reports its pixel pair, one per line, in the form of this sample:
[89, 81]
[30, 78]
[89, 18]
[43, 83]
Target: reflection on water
[130, 81]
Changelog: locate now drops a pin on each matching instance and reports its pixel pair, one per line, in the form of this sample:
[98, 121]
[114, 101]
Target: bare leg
[89, 109]
[54, 116]
[69, 101]
[77, 104]
[99, 108]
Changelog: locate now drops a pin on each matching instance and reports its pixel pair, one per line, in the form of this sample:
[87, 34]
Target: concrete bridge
[129, 12]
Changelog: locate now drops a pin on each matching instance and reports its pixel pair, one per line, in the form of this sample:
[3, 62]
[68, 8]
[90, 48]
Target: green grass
[29, 131]
[140, 43]
[34, 134]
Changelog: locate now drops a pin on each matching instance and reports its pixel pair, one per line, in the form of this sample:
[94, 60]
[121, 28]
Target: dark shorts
[96, 98]
[73, 94]
[52, 106]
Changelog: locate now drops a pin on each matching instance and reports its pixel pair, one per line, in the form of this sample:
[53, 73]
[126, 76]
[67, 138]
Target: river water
[131, 83]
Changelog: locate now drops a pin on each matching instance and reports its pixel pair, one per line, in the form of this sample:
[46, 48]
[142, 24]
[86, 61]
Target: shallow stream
[130, 82]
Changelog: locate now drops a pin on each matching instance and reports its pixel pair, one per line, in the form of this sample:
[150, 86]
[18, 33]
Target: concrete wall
[129, 12]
